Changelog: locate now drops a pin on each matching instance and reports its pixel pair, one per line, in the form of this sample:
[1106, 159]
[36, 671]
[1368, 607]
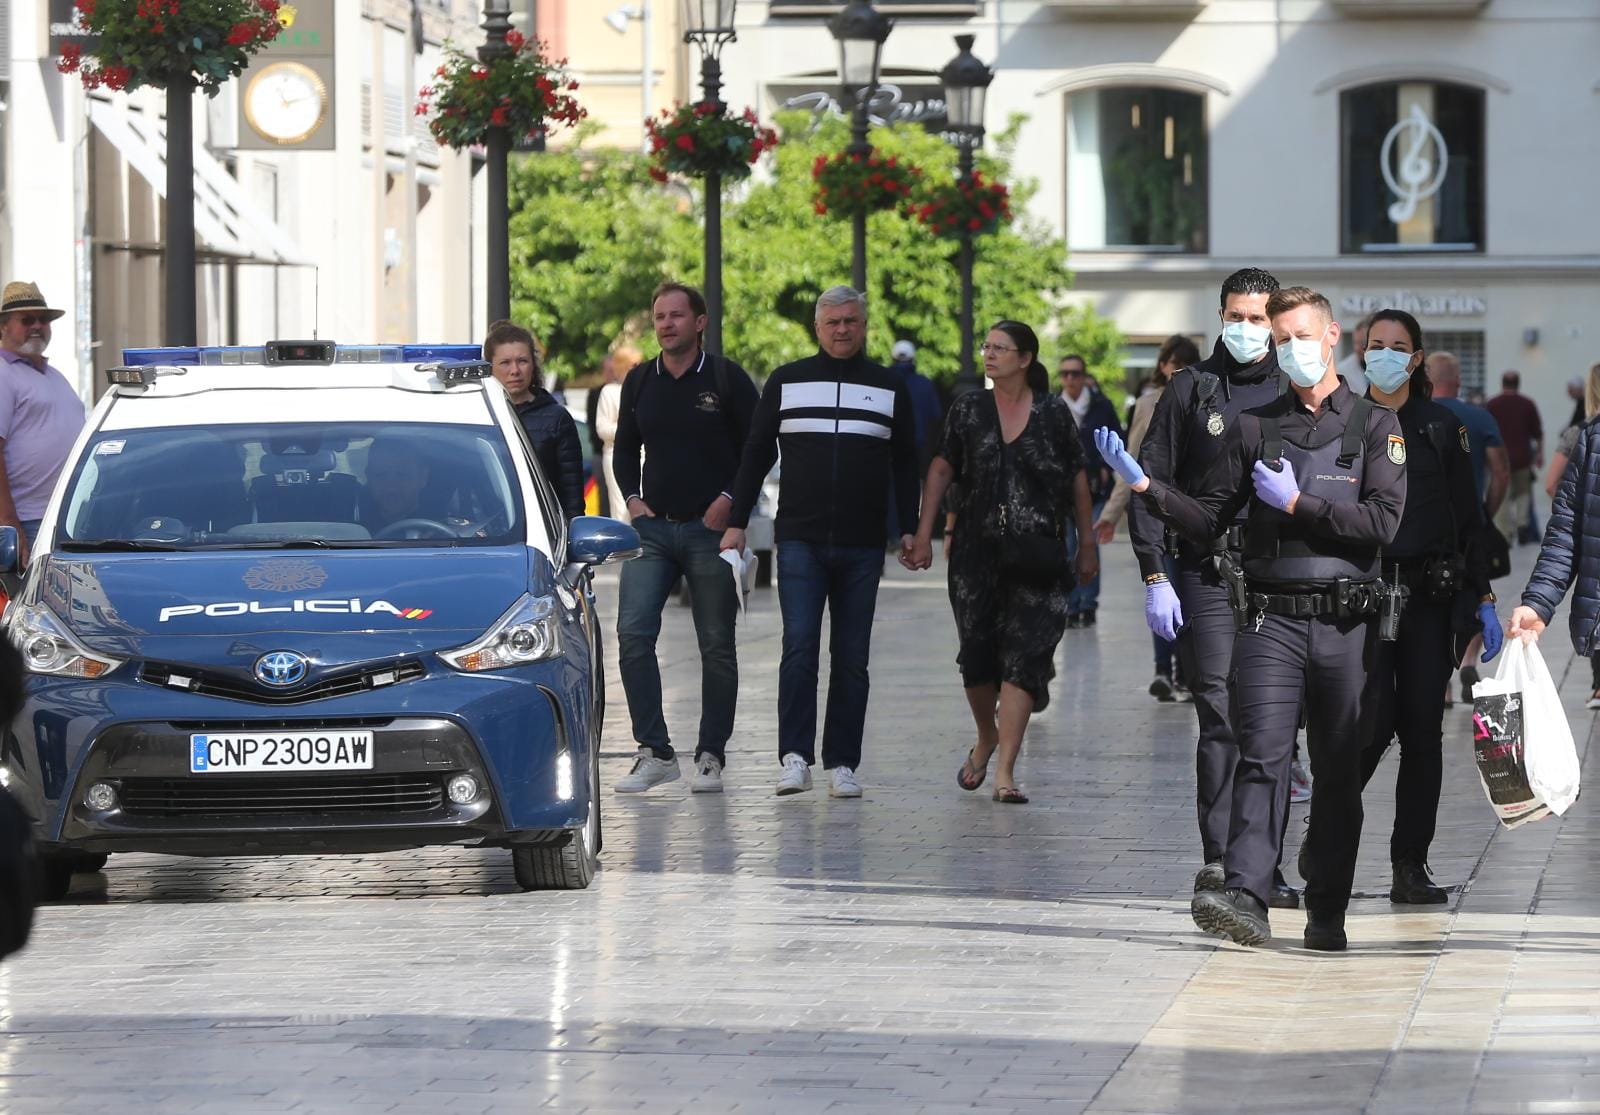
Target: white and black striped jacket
[847, 432]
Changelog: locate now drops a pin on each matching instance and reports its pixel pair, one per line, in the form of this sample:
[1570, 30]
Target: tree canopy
[591, 236]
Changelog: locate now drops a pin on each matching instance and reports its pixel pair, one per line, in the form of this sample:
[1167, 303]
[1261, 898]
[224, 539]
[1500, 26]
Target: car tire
[568, 863]
[87, 863]
[55, 877]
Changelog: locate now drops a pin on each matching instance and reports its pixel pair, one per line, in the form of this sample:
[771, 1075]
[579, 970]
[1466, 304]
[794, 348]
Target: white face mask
[1387, 369]
[1302, 361]
[1245, 341]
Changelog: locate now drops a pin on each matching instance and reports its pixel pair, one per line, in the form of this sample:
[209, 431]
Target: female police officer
[1436, 556]
[1323, 476]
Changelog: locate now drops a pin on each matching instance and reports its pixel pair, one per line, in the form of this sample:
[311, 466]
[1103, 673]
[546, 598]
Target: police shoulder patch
[1397, 449]
[1466, 446]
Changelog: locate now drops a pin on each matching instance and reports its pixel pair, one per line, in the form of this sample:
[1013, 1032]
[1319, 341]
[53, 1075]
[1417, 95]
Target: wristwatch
[1487, 598]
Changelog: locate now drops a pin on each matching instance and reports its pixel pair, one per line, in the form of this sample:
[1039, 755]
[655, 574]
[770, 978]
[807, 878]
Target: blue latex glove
[1162, 612]
[1493, 637]
[1275, 489]
[1121, 461]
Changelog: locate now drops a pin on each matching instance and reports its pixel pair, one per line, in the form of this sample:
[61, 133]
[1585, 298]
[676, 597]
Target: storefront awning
[224, 217]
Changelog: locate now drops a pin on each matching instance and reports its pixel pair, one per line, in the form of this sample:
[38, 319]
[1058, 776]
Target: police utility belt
[1384, 598]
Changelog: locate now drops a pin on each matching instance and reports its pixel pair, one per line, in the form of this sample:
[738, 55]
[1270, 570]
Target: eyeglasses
[987, 348]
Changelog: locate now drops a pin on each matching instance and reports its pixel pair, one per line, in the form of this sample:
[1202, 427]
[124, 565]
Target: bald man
[1491, 466]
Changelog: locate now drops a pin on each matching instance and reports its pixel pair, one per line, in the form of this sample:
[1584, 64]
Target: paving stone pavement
[921, 950]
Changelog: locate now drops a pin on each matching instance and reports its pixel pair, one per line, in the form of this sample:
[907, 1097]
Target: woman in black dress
[1017, 458]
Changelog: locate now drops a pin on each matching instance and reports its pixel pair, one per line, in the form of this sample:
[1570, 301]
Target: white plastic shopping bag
[1523, 744]
[743, 564]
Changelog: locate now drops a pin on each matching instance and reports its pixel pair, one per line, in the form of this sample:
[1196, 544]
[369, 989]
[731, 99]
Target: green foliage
[591, 236]
[521, 91]
[1098, 340]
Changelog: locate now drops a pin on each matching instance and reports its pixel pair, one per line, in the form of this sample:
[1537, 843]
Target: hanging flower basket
[703, 139]
[849, 184]
[523, 92]
[974, 208]
[157, 42]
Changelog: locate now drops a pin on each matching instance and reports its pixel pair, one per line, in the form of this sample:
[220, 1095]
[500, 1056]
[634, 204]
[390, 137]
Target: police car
[309, 598]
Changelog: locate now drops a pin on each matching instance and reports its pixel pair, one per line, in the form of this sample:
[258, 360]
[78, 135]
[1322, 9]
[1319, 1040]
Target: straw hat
[26, 296]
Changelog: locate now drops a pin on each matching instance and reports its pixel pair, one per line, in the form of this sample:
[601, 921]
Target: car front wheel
[570, 863]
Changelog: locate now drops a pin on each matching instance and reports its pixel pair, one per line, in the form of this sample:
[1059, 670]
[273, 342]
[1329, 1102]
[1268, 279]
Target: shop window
[1412, 166]
[1136, 170]
[1467, 344]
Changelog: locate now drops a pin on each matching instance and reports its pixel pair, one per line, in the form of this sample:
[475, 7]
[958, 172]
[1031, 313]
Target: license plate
[246, 752]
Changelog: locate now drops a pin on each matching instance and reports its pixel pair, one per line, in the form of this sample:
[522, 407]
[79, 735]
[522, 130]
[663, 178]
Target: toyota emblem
[281, 669]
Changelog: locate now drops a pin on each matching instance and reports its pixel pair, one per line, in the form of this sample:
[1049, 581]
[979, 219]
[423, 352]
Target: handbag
[1496, 551]
[1032, 557]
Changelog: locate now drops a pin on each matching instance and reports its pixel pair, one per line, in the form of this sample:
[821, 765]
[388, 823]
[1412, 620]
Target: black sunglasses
[33, 319]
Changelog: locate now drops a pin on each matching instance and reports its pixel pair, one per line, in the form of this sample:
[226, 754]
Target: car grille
[277, 796]
[217, 685]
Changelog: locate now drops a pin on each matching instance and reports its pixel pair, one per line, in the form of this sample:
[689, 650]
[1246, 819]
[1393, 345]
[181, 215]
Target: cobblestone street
[920, 950]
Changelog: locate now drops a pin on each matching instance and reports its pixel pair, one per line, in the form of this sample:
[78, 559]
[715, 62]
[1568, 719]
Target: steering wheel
[401, 528]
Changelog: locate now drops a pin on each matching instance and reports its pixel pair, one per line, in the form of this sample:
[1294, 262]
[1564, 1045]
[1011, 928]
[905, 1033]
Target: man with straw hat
[40, 412]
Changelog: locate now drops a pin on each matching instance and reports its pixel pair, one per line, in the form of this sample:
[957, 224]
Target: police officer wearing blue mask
[1321, 476]
[1437, 558]
[1186, 433]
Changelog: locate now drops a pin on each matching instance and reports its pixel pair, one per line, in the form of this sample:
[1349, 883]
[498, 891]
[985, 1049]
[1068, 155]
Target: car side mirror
[592, 540]
[10, 544]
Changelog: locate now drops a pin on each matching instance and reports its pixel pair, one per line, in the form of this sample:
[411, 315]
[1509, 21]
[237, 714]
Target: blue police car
[308, 598]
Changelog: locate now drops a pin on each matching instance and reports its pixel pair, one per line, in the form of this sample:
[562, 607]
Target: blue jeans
[1084, 597]
[670, 549]
[845, 578]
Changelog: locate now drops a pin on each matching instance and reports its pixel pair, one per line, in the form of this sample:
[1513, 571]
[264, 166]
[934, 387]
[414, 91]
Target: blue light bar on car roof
[235, 355]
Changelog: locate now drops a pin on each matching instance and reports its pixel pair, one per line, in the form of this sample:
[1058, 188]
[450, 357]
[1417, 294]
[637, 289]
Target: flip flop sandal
[1010, 795]
[966, 778]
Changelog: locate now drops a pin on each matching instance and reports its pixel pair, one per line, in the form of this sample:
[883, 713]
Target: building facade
[1431, 155]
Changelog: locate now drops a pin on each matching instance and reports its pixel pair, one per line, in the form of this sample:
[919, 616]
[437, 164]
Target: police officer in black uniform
[1186, 433]
[1323, 475]
[1437, 558]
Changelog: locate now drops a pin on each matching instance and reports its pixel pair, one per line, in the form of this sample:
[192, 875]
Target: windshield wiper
[116, 545]
[294, 544]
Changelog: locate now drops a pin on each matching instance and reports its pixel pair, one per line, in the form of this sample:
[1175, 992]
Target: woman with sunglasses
[1016, 454]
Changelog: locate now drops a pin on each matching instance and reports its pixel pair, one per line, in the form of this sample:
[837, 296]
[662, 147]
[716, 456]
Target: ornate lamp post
[966, 84]
[860, 30]
[497, 146]
[709, 25]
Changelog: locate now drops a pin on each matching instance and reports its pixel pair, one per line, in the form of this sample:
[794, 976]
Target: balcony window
[1412, 159]
[1136, 170]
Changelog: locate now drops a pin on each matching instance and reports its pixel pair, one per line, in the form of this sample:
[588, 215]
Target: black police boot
[1088, 618]
[1412, 887]
[1283, 897]
[1325, 932]
[1210, 877]
[1161, 688]
[1234, 913]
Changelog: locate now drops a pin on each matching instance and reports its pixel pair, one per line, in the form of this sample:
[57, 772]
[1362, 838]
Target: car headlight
[527, 633]
[47, 646]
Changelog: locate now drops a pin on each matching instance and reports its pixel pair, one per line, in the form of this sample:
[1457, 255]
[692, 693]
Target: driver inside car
[396, 476]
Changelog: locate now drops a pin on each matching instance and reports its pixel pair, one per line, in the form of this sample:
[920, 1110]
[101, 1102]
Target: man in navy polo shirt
[689, 412]
[40, 413]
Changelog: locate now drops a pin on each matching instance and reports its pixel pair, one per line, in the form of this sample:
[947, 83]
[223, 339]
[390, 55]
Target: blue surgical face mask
[1302, 361]
[1388, 369]
[1245, 341]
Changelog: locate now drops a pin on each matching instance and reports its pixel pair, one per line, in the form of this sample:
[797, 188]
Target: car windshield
[289, 485]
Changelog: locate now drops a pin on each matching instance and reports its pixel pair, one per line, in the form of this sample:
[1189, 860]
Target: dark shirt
[1442, 513]
[1321, 524]
[846, 429]
[1518, 420]
[690, 435]
[925, 406]
[1482, 434]
[554, 437]
[1179, 444]
[1101, 414]
[1032, 476]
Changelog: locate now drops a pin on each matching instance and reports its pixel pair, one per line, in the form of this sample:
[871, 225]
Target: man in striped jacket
[846, 429]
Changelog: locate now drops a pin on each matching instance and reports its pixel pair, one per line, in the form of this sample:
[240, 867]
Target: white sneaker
[796, 776]
[845, 784]
[707, 775]
[648, 771]
[1299, 783]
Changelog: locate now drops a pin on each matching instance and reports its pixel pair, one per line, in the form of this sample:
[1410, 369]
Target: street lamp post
[860, 30]
[497, 146]
[709, 25]
[966, 84]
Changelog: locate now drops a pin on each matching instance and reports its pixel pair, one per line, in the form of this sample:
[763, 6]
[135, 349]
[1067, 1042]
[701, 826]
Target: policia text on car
[1323, 476]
